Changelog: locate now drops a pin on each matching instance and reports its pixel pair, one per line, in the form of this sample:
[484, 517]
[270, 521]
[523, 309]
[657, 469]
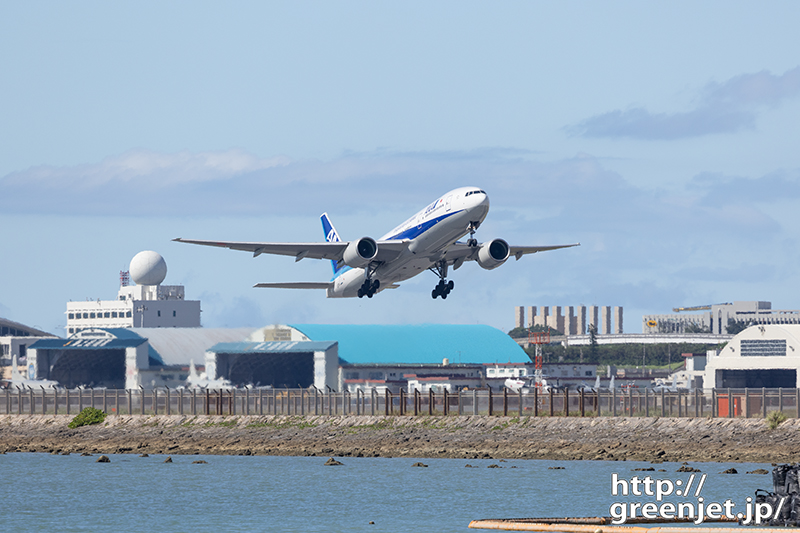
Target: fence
[724, 403]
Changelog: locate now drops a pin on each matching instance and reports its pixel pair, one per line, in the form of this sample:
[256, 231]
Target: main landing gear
[369, 288]
[444, 287]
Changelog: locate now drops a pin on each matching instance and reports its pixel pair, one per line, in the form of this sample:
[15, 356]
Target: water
[258, 493]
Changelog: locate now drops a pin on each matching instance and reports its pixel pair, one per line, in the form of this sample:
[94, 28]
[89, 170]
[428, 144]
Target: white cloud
[722, 108]
[144, 168]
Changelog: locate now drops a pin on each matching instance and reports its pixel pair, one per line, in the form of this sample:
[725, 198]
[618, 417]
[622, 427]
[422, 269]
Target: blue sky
[662, 136]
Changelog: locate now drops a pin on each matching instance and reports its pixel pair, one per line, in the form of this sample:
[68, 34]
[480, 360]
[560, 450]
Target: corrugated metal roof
[9, 328]
[420, 344]
[179, 346]
[272, 347]
[86, 344]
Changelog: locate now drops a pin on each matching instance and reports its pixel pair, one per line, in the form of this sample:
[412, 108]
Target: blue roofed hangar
[417, 344]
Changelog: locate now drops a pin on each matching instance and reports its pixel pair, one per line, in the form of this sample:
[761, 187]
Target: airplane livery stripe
[415, 231]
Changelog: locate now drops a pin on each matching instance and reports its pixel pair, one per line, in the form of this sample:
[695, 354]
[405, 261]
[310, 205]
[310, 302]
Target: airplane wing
[460, 252]
[294, 285]
[519, 251]
[306, 285]
[387, 250]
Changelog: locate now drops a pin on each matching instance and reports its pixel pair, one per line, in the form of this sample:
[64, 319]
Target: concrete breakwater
[641, 439]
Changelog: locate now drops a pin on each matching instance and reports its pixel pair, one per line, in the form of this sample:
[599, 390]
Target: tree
[737, 326]
[696, 328]
[519, 333]
[593, 341]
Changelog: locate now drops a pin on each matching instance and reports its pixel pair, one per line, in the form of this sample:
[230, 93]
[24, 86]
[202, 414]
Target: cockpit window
[475, 192]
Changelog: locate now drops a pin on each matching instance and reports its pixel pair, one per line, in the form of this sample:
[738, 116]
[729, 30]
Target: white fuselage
[431, 231]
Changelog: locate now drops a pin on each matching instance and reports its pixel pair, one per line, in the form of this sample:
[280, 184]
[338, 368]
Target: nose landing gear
[472, 242]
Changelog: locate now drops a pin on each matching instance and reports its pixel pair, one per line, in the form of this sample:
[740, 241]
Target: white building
[148, 304]
[714, 318]
[760, 356]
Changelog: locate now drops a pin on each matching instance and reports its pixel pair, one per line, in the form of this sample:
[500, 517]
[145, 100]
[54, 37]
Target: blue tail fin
[331, 236]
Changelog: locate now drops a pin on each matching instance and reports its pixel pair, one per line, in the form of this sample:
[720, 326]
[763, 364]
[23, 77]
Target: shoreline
[461, 437]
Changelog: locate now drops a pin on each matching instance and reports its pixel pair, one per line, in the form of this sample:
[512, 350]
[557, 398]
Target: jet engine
[492, 254]
[359, 253]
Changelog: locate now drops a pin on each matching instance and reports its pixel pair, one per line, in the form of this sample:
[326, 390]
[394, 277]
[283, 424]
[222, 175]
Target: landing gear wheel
[473, 226]
[369, 288]
[444, 287]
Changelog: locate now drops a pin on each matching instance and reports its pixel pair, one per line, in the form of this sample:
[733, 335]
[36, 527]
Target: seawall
[643, 439]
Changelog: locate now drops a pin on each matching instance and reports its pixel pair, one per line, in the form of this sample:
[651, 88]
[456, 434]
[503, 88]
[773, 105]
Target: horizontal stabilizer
[295, 285]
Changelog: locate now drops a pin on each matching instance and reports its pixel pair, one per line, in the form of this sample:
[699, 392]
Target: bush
[87, 417]
[774, 419]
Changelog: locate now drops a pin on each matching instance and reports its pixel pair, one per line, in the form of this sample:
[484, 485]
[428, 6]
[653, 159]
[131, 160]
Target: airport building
[571, 320]
[714, 318]
[148, 304]
[388, 356]
[766, 355]
[15, 338]
[338, 357]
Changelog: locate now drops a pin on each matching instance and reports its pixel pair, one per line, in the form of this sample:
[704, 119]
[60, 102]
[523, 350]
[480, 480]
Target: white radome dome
[148, 268]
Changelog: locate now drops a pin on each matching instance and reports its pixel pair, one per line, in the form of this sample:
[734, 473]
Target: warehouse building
[276, 356]
[766, 355]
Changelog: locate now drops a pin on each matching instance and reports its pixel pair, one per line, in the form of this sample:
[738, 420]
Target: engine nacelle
[359, 253]
[492, 254]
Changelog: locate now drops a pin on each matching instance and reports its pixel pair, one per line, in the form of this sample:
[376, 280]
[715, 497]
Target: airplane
[547, 387]
[18, 381]
[660, 384]
[429, 240]
[586, 388]
[517, 384]
[201, 381]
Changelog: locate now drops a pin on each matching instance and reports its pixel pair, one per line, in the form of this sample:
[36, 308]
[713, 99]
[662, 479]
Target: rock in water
[332, 462]
[730, 471]
[758, 471]
[103, 459]
[168, 460]
[200, 462]
[420, 464]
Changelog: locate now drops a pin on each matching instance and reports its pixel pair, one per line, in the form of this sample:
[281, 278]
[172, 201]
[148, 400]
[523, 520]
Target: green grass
[774, 419]
[87, 417]
[298, 422]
